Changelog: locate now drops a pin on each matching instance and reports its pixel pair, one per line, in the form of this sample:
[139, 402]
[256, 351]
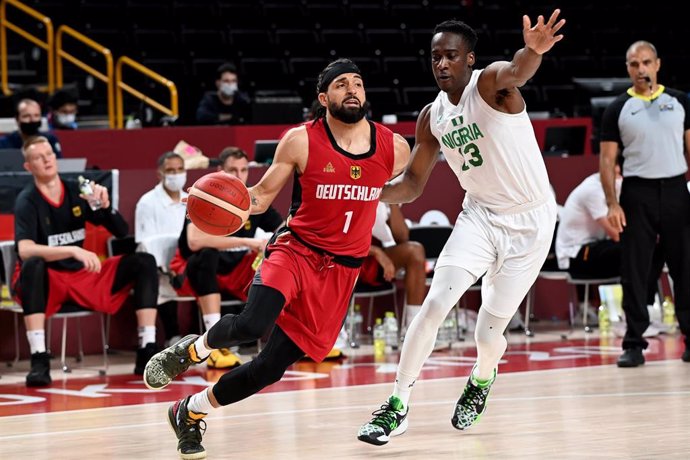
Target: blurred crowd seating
[281, 45]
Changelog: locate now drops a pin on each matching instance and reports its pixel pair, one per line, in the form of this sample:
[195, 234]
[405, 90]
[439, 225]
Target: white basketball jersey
[494, 154]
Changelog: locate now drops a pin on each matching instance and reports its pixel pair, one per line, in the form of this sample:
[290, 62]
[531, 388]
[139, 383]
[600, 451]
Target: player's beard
[347, 114]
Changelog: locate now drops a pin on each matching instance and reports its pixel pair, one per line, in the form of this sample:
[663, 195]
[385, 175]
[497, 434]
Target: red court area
[125, 390]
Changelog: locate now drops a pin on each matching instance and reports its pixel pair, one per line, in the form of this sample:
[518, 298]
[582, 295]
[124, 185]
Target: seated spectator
[213, 265]
[161, 211]
[29, 122]
[587, 246]
[391, 251]
[62, 113]
[586, 243]
[227, 105]
[54, 268]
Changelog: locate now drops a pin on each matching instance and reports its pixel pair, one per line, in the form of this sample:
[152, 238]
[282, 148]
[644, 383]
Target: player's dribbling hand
[90, 260]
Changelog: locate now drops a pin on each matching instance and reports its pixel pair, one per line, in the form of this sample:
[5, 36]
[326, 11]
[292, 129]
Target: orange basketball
[218, 203]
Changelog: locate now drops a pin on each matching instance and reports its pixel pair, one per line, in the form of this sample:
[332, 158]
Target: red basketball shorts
[317, 293]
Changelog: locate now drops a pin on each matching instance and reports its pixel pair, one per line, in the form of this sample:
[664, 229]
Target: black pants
[259, 315]
[655, 210]
[203, 266]
[139, 268]
[599, 259]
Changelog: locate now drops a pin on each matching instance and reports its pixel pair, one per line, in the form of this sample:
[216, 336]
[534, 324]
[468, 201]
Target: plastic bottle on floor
[379, 339]
[604, 320]
[669, 314]
[390, 326]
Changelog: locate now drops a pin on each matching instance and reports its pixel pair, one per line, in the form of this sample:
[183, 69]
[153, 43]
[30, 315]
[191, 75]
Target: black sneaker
[143, 356]
[188, 427]
[390, 420]
[686, 355]
[631, 357]
[472, 403]
[171, 362]
[39, 375]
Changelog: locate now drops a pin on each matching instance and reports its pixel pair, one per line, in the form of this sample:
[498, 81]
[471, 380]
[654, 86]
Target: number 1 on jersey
[348, 219]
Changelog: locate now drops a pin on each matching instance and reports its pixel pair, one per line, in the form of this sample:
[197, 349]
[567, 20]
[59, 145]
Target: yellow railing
[107, 78]
[173, 111]
[53, 46]
[47, 45]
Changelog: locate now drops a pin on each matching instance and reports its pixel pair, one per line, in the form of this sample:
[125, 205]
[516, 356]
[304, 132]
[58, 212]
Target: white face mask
[175, 182]
[66, 119]
[228, 89]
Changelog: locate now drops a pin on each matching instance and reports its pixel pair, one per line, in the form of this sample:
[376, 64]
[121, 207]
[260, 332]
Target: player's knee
[33, 267]
[250, 328]
[434, 309]
[417, 254]
[208, 255]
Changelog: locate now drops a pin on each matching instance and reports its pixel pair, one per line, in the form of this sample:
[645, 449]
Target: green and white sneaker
[171, 362]
[472, 403]
[389, 420]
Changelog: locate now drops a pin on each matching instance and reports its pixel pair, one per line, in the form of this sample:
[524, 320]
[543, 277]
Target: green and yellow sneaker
[189, 428]
[171, 362]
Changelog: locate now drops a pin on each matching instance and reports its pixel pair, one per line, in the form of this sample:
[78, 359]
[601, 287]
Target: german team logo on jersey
[76, 211]
[355, 172]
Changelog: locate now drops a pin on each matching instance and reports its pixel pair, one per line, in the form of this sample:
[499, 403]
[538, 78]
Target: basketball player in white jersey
[480, 123]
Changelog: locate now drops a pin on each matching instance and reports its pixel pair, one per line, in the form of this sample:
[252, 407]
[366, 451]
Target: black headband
[337, 69]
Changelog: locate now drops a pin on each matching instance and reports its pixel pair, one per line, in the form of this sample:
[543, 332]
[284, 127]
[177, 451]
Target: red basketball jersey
[334, 200]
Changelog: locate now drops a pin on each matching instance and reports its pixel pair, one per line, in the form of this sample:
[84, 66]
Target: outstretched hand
[542, 36]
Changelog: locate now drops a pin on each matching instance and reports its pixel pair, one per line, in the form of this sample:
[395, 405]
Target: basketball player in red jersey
[341, 162]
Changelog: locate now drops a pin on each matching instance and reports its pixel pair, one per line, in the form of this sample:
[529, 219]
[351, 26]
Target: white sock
[199, 402]
[211, 319]
[37, 340]
[202, 351]
[403, 387]
[410, 312]
[147, 334]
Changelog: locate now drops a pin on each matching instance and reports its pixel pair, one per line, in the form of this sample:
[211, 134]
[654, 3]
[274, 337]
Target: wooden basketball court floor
[553, 399]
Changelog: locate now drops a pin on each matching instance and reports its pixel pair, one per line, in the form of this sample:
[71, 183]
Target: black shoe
[631, 357]
[686, 355]
[143, 356]
[39, 375]
[188, 427]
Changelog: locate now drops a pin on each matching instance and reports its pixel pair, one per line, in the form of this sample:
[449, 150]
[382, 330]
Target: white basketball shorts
[508, 249]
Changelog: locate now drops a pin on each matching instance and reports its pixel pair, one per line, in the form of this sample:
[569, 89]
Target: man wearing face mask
[227, 105]
[63, 110]
[161, 211]
[29, 122]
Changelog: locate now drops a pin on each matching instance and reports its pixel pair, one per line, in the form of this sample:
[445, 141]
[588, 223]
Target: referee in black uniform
[650, 125]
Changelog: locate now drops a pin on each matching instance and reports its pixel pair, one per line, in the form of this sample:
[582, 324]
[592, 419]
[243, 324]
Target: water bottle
[379, 339]
[86, 189]
[359, 320]
[390, 325]
[604, 320]
[669, 314]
